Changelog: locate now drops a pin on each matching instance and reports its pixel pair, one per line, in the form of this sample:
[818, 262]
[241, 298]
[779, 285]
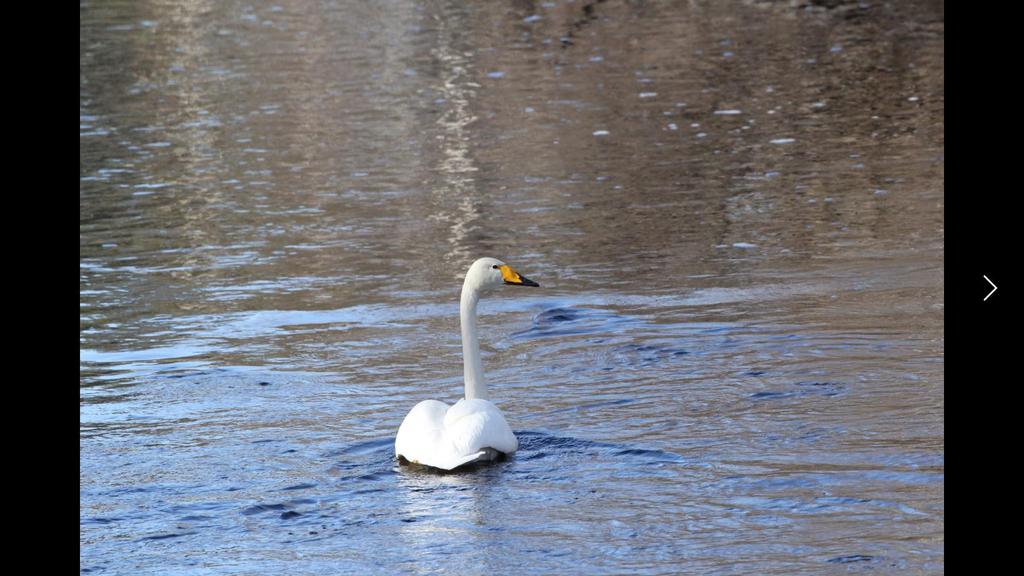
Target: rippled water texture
[735, 210]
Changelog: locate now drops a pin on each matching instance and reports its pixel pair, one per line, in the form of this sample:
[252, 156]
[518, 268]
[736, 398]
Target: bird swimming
[473, 430]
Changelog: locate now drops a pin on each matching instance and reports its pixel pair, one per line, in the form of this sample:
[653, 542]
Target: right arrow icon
[994, 288]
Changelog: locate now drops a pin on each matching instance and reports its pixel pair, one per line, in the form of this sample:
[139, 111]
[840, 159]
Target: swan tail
[461, 460]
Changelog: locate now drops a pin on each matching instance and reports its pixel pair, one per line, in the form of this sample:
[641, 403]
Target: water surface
[735, 210]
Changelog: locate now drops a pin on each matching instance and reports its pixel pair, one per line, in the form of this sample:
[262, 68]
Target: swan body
[474, 429]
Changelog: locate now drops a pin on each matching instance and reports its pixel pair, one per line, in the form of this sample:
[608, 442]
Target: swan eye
[495, 266]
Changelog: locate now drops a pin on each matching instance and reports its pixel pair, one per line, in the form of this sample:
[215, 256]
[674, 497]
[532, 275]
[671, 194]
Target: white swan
[434, 434]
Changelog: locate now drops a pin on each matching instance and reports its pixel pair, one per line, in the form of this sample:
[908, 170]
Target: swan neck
[473, 368]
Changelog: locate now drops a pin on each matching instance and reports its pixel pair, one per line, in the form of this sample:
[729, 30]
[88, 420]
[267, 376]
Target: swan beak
[513, 277]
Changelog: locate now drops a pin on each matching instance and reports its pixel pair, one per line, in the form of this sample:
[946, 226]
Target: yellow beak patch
[510, 275]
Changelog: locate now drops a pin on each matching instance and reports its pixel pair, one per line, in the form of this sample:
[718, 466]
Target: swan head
[490, 273]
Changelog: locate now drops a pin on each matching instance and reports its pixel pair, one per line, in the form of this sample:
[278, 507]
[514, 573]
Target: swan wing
[473, 425]
[435, 435]
[422, 432]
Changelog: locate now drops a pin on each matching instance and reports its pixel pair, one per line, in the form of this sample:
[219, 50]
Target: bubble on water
[783, 141]
[601, 132]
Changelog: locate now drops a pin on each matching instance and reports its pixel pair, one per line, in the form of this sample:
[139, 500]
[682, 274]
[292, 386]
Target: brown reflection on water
[473, 128]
